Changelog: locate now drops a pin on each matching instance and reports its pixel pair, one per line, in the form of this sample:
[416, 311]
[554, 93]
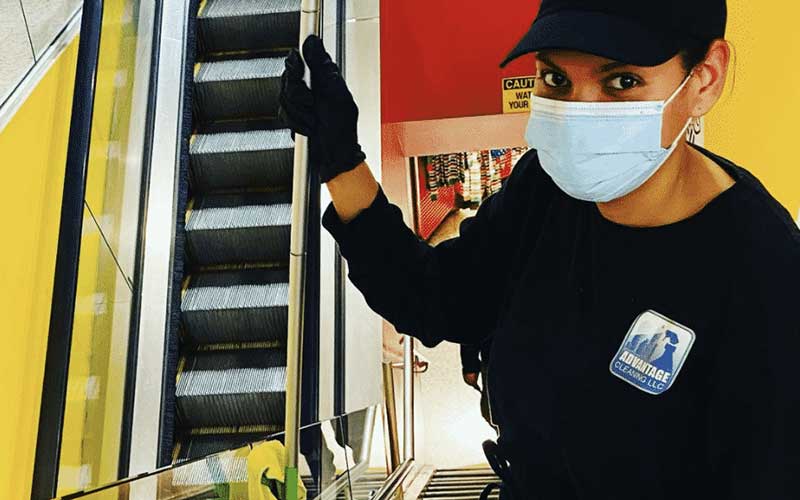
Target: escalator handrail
[59, 339]
[394, 481]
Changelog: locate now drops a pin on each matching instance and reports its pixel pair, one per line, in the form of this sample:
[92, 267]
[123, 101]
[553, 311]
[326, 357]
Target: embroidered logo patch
[652, 353]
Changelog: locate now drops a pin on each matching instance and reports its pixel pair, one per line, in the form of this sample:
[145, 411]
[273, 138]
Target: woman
[623, 242]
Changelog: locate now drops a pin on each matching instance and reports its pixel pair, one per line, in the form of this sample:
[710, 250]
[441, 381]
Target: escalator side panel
[167, 431]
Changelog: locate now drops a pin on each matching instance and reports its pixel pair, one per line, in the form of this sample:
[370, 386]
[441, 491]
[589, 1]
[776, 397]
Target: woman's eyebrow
[543, 58]
[611, 66]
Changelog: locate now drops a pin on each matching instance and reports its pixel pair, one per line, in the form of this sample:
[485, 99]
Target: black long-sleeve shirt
[473, 357]
[627, 363]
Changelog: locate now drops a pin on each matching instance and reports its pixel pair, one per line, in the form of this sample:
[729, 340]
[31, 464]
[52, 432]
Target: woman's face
[575, 76]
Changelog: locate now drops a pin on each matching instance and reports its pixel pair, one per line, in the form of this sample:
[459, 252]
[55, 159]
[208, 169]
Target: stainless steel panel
[363, 9]
[364, 345]
[159, 225]
[16, 57]
[46, 19]
[327, 246]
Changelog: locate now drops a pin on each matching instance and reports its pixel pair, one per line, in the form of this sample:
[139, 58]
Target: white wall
[450, 428]
[46, 19]
[16, 54]
[363, 344]
[27, 28]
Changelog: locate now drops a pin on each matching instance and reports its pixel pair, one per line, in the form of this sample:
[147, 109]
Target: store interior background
[440, 87]
[440, 83]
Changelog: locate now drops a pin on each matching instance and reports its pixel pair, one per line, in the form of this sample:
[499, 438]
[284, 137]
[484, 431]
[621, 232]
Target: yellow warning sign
[517, 94]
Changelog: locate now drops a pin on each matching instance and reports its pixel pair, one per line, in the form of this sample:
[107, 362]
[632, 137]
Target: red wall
[440, 58]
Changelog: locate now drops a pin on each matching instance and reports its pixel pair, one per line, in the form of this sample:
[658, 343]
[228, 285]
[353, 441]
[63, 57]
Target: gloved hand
[326, 113]
[471, 379]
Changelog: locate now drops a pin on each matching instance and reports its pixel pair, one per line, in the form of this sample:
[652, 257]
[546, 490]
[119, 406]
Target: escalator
[199, 396]
[459, 484]
[231, 336]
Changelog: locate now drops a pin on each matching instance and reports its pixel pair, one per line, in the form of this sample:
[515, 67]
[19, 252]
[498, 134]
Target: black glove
[326, 114]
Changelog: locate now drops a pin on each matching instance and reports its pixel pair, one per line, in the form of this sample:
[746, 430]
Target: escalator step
[455, 484]
[232, 25]
[236, 306]
[223, 477]
[237, 89]
[232, 388]
[240, 228]
[196, 446]
[252, 159]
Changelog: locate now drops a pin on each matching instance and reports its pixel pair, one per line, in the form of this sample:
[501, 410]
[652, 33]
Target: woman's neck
[684, 184]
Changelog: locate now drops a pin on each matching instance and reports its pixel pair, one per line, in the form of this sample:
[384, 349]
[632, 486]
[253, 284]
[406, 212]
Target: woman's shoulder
[762, 235]
[764, 221]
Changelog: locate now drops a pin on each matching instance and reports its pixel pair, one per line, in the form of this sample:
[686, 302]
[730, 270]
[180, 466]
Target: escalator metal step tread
[463, 496]
[218, 475]
[237, 70]
[229, 25]
[364, 487]
[236, 306]
[240, 228]
[232, 388]
[237, 89]
[222, 470]
[197, 446]
[456, 484]
[250, 159]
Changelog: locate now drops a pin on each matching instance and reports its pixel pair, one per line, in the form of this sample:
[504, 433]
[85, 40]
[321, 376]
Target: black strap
[500, 465]
[488, 490]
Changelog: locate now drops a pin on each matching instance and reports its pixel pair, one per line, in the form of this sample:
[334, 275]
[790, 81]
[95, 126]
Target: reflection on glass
[114, 172]
[93, 412]
[363, 433]
[91, 431]
[334, 462]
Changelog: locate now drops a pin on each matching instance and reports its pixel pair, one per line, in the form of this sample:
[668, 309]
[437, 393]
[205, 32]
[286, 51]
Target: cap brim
[600, 34]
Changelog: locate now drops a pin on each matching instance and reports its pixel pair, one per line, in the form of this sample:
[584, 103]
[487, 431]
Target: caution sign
[517, 94]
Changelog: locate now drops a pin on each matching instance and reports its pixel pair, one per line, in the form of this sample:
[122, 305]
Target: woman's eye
[623, 82]
[552, 79]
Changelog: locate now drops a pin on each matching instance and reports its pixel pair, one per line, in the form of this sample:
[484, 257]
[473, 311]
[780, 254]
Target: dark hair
[695, 53]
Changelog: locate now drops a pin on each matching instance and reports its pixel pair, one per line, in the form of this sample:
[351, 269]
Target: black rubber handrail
[59, 339]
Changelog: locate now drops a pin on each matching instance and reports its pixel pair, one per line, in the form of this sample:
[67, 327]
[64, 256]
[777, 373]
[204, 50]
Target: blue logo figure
[664, 362]
[646, 346]
[652, 353]
[633, 344]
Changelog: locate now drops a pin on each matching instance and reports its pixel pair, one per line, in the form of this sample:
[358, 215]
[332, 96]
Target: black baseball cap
[638, 32]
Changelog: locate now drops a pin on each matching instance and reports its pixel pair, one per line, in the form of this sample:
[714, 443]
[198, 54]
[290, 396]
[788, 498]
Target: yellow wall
[33, 154]
[756, 124]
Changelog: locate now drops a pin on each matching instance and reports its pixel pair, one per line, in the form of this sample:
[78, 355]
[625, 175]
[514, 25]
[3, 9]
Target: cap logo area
[652, 353]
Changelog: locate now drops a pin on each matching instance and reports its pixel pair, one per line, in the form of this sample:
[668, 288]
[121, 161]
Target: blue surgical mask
[600, 151]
